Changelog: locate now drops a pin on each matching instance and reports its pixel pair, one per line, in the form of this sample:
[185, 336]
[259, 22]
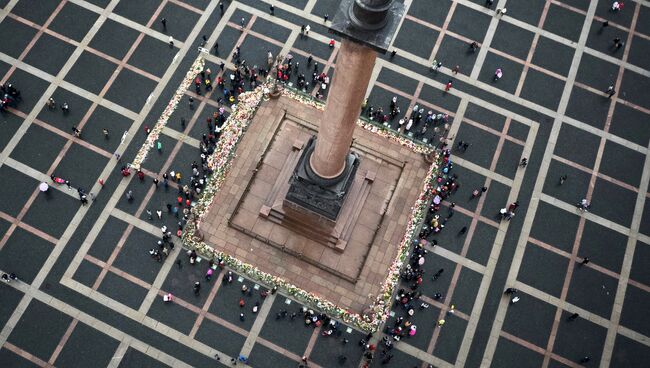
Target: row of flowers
[154, 134]
[221, 162]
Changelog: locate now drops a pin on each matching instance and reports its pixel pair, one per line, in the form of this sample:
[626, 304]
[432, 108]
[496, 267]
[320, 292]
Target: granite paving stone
[50, 323]
[114, 39]
[86, 347]
[73, 21]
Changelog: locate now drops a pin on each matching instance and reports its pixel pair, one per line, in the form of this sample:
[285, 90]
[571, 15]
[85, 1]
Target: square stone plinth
[246, 221]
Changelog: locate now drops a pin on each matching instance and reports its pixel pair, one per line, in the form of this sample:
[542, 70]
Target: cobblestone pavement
[90, 295]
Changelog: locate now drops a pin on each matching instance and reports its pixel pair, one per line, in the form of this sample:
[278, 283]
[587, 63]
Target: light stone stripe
[537, 190]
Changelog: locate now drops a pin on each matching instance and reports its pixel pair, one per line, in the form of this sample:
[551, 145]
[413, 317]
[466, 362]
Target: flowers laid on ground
[153, 135]
[221, 161]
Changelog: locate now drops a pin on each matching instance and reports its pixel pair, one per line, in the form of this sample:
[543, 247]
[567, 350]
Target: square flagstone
[87, 273]
[623, 17]
[130, 90]
[114, 39]
[135, 358]
[575, 186]
[179, 281]
[24, 254]
[37, 14]
[397, 81]
[483, 145]
[484, 117]
[542, 89]
[511, 72]
[271, 29]
[139, 190]
[140, 11]
[175, 314]
[380, 97]
[629, 123]
[312, 47]
[180, 21]
[81, 166]
[153, 56]
[622, 211]
[94, 82]
[52, 213]
[433, 264]
[183, 161]
[564, 22]
[633, 87]
[4, 227]
[104, 118]
[50, 324]
[11, 359]
[643, 27]
[429, 12]
[511, 354]
[601, 39]
[424, 320]
[300, 4]
[107, 239]
[323, 7]
[227, 41]
[468, 285]
[539, 261]
[440, 101]
[264, 357]
[577, 145]
[579, 338]
[518, 130]
[450, 338]
[134, 256]
[453, 46]
[73, 21]
[219, 337]
[622, 164]
[640, 271]
[449, 237]
[604, 246]
[555, 226]
[290, 334]
[155, 160]
[22, 188]
[31, 89]
[629, 353]
[399, 359]
[529, 11]
[64, 122]
[596, 72]
[39, 157]
[512, 40]
[482, 242]
[21, 35]
[592, 290]
[87, 347]
[49, 54]
[469, 23]
[416, 39]
[10, 299]
[122, 290]
[226, 303]
[249, 51]
[327, 350]
[508, 159]
[633, 310]
[553, 55]
[533, 327]
[11, 122]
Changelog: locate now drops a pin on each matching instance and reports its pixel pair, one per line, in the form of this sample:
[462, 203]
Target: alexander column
[327, 168]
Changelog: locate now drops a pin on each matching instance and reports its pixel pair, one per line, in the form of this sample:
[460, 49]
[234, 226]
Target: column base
[321, 196]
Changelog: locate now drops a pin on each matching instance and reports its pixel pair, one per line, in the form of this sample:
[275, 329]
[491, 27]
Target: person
[501, 11]
[473, 46]
[583, 205]
[448, 86]
[168, 298]
[164, 23]
[498, 74]
[197, 288]
[51, 104]
[514, 300]
[523, 162]
[610, 91]
[563, 178]
[272, 9]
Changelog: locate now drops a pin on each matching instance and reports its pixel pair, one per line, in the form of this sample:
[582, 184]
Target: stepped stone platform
[345, 262]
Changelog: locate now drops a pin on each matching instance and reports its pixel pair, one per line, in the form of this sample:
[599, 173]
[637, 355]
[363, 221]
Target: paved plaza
[90, 295]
